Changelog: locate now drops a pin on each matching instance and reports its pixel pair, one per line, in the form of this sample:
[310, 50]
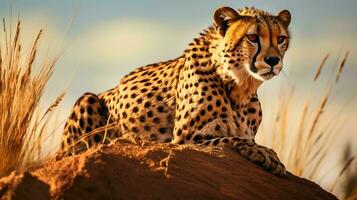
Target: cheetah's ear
[285, 17]
[223, 16]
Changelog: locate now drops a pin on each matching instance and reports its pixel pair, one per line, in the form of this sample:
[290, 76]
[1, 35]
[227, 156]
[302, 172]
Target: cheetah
[207, 96]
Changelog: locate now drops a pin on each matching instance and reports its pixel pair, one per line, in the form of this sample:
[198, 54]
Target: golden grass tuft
[305, 151]
[21, 88]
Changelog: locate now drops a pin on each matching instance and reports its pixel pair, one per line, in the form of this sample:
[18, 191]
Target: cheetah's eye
[281, 39]
[254, 38]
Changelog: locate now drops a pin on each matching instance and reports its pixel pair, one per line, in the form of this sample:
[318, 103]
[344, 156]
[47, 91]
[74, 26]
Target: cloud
[126, 40]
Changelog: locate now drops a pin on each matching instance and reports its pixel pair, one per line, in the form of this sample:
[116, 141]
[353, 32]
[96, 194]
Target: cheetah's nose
[272, 61]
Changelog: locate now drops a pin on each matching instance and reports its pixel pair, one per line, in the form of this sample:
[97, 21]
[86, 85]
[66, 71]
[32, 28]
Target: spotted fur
[206, 96]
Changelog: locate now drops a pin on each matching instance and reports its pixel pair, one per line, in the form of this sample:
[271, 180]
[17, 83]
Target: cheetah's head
[251, 42]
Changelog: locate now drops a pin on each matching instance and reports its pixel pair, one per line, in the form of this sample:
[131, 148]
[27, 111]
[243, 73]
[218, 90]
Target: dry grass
[22, 84]
[305, 148]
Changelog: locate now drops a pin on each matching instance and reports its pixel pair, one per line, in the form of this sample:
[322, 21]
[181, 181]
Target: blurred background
[101, 41]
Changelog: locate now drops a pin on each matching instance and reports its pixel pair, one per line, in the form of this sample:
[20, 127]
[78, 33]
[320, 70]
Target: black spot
[255, 128]
[186, 115]
[162, 130]
[217, 128]
[215, 142]
[253, 99]
[97, 138]
[135, 109]
[90, 121]
[208, 137]
[88, 129]
[252, 110]
[224, 109]
[253, 122]
[91, 100]
[218, 103]
[150, 114]
[147, 84]
[142, 118]
[188, 137]
[184, 127]
[209, 98]
[140, 100]
[209, 107]
[124, 115]
[144, 80]
[202, 112]
[197, 138]
[70, 129]
[125, 127]
[81, 110]
[223, 115]
[147, 104]
[179, 132]
[160, 109]
[81, 123]
[192, 122]
[156, 120]
[150, 95]
[133, 95]
[159, 98]
[147, 128]
[134, 129]
[201, 100]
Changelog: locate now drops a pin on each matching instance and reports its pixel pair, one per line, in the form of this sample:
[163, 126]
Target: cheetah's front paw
[262, 156]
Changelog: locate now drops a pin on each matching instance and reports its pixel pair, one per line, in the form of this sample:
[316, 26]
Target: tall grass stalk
[22, 84]
[306, 149]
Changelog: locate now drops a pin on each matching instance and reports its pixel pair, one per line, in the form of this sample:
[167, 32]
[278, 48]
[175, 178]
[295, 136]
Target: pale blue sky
[320, 26]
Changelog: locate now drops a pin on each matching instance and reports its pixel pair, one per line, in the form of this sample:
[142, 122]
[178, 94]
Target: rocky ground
[156, 171]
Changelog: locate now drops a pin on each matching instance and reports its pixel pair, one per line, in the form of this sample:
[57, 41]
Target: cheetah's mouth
[268, 75]
[271, 73]
[265, 75]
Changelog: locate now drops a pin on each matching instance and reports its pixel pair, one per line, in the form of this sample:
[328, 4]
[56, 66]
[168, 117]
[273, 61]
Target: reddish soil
[156, 171]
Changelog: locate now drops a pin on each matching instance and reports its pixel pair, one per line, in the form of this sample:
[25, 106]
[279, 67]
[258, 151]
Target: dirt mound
[156, 171]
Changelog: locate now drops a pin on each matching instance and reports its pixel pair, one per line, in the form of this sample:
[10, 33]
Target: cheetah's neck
[240, 90]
